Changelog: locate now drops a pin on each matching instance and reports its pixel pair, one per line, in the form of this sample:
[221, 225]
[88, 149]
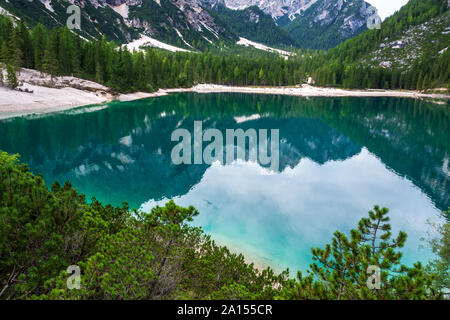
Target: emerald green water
[338, 158]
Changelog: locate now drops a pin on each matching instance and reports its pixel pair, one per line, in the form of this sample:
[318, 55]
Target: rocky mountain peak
[278, 9]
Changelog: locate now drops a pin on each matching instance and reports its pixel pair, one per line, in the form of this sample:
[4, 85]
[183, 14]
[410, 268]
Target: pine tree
[4, 53]
[425, 84]
[26, 46]
[50, 61]
[236, 73]
[65, 50]
[39, 39]
[118, 80]
[344, 268]
[261, 75]
[76, 57]
[1, 75]
[419, 81]
[15, 53]
[11, 76]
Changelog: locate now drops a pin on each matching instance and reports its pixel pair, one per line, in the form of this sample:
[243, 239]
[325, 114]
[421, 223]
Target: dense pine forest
[343, 65]
[61, 52]
[126, 254]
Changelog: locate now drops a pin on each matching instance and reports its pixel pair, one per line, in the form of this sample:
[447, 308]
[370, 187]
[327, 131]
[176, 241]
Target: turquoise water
[338, 158]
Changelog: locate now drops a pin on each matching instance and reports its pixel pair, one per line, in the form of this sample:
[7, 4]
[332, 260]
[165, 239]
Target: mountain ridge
[326, 23]
[282, 11]
[192, 24]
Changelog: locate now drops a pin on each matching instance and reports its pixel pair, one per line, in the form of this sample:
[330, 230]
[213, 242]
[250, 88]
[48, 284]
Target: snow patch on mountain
[210, 42]
[6, 12]
[182, 39]
[210, 29]
[146, 41]
[259, 46]
[48, 5]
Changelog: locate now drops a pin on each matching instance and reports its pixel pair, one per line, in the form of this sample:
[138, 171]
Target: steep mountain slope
[282, 11]
[409, 51]
[197, 24]
[95, 18]
[316, 24]
[180, 22]
[188, 24]
[326, 23]
[430, 39]
[252, 23]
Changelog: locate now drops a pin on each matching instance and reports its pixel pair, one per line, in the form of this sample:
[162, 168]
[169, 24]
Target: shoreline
[310, 91]
[301, 91]
[259, 260]
[48, 100]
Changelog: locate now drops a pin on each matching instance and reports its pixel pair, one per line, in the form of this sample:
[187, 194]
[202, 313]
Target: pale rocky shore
[311, 91]
[38, 93]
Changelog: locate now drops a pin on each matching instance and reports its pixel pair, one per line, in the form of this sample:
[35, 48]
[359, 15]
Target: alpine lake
[337, 158]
